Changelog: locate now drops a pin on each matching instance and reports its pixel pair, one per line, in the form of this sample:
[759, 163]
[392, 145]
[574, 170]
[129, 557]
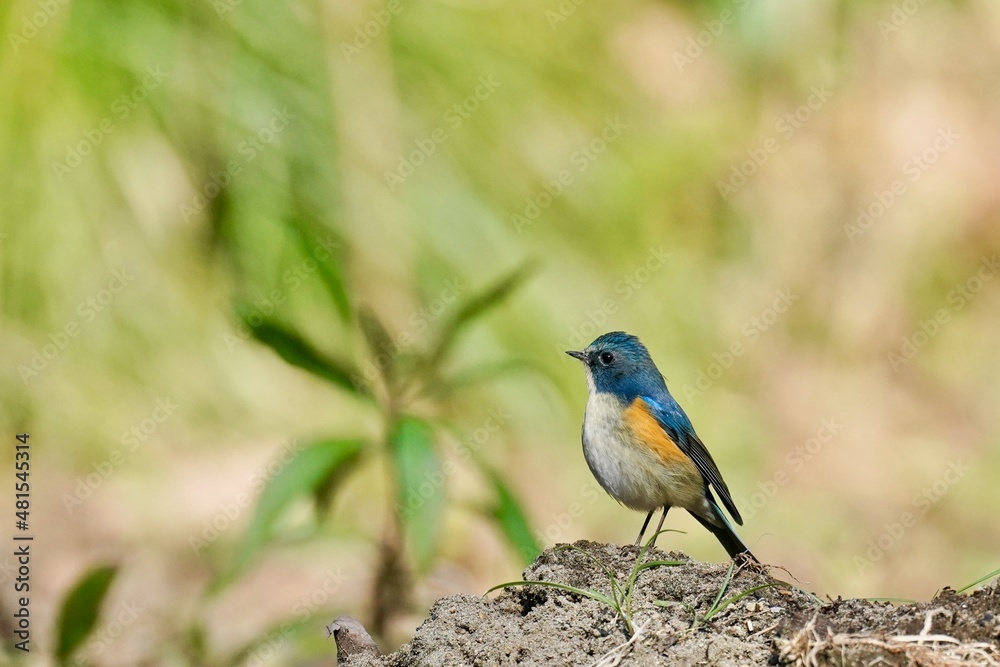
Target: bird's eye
[607, 358]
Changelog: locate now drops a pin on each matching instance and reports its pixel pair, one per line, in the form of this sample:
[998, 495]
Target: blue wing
[677, 425]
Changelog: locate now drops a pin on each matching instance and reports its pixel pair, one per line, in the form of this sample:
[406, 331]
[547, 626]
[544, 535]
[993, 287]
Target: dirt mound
[690, 613]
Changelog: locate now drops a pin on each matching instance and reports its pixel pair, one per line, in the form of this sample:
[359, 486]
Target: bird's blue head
[618, 363]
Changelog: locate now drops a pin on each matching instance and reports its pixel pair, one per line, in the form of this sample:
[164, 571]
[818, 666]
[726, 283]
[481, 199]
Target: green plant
[80, 610]
[719, 604]
[980, 580]
[407, 387]
[620, 595]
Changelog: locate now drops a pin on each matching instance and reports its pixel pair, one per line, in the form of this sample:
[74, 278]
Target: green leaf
[512, 521]
[81, 608]
[197, 643]
[379, 342]
[298, 352]
[482, 373]
[302, 477]
[322, 251]
[420, 494]
[476, 306]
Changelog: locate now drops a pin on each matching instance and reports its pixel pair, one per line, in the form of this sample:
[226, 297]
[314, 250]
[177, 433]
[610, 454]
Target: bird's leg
[643, 531]
[666, 508]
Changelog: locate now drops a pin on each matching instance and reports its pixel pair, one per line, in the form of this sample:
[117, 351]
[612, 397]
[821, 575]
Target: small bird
[641, 446]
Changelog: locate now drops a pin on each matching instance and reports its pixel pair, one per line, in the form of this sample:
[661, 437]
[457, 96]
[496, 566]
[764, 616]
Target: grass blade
[634, 575]
[572, 547]
[616, 592]
[722, 590]
[80, 610]
[659, 563]
[645, 566]
[719, 606]
[979, 581]
[666, 603]
[593, 595]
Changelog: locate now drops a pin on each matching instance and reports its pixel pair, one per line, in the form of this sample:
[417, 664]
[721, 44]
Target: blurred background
[286, 288]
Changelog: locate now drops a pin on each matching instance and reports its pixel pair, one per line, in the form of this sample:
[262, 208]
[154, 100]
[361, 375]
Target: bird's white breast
[628, 470]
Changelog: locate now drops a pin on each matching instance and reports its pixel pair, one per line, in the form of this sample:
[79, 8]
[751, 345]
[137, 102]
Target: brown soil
[778, 625]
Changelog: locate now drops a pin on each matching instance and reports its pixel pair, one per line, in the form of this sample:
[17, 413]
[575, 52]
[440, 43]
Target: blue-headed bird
[641, 446]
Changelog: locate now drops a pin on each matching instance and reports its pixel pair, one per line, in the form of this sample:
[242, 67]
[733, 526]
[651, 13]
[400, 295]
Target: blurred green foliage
[350, 184]
[80, 610]
[399, 378]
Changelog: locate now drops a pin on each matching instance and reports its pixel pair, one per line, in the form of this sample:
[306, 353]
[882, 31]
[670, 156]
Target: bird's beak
[582, 356]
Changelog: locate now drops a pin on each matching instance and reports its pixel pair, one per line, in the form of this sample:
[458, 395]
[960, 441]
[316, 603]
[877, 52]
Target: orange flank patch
[647, 431]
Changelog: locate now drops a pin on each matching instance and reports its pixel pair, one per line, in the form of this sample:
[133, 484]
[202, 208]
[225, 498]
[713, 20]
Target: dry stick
[760, 632]
[613, 657]
[806, 649]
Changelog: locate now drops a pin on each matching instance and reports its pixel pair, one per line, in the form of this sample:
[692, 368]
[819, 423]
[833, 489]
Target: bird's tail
[726, 535]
